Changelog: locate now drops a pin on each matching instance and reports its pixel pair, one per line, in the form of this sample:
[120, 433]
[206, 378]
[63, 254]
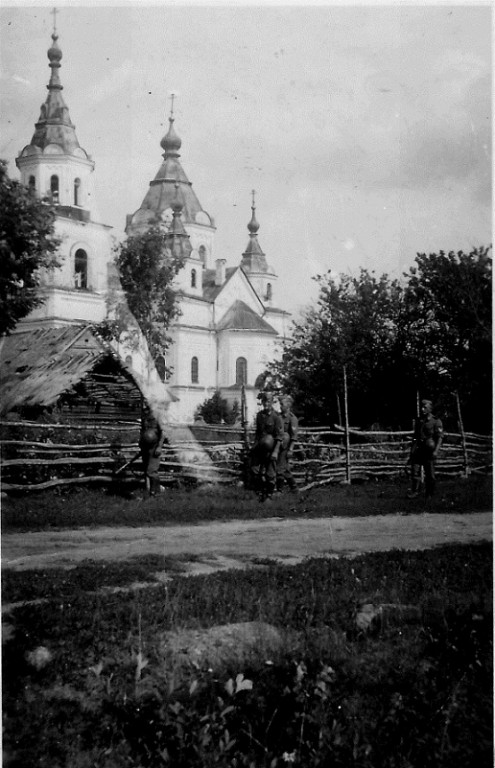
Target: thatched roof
[38, 366]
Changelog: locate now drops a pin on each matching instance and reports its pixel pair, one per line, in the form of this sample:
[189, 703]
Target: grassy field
[84, 683]
[85, 507]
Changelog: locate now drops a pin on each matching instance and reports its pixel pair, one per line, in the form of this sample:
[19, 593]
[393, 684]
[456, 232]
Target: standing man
[427, 439]
[265, 451]
[290, 427]
[150, 445]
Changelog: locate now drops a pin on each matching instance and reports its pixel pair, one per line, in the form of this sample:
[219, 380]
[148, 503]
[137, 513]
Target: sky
[364, 129]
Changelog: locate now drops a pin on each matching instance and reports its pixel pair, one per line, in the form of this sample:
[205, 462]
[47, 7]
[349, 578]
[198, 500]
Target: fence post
[346, 427]
[463, 436]
[245, 458]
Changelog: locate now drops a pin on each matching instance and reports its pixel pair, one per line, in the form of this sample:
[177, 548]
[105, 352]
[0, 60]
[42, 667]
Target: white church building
[229, 328]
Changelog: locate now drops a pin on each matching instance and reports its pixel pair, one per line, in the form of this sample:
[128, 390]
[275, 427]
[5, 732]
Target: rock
[39, 658]
[220, 646]
[373, 617]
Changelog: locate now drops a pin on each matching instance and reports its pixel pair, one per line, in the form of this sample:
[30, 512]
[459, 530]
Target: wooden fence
[37, 456]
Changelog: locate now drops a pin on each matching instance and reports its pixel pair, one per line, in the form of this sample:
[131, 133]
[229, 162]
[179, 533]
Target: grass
[402, 696]
[93, 507]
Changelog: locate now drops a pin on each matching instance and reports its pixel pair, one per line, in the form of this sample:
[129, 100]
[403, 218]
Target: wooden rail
[89, 454]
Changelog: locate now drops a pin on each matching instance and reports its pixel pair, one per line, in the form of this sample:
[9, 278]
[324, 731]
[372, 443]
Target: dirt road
[215, 546]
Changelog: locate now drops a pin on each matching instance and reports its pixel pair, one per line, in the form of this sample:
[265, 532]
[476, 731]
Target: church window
[128, 360]
[241, 371]
[77, 185]
[81, 269]
[269, 292]
[32, 183]
[202, 253]
[194, 370]
[160, 367]
[54, 188]
[193, 278]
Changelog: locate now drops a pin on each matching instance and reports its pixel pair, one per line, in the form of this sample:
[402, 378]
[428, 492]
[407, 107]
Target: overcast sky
[365, 130]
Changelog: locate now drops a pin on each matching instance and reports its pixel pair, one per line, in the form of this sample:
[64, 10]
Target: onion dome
[253, 225]
[171, 143]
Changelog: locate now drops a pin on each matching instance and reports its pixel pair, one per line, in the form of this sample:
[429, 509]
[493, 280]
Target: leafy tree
[27, 245]
[216, 410]
[447, 330]
[147, 267]
[432, 336]
[354, 324]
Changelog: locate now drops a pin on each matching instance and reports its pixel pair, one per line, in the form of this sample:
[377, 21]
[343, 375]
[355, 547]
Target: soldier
[265, 451]
[150, 445]
[290, 426]
[427, 439]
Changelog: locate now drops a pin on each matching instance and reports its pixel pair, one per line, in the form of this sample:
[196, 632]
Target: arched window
[241, 371]
[128, 361]
[194, 370]
[269, 292]
[77, 184]
[193, 278]
[202, 253]
[32, 183]
[81, 269]
[160, 367]
[54, 188]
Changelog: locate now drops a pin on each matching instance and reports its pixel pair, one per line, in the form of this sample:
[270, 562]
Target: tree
[147, 268]
[354, 324]
[447, 330]
[27, 246]
[216, 410]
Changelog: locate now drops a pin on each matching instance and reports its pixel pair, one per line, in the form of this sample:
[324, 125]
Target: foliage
[27, 245]
[216, 410]
[447, 329]
[353, 325]
[409, 694]
[430, 335]
[147, 268]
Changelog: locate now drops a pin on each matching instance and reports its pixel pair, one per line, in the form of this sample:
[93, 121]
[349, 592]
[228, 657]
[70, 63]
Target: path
[221, 545]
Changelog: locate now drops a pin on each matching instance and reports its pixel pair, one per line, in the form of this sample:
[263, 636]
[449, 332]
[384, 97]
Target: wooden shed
[68, 370]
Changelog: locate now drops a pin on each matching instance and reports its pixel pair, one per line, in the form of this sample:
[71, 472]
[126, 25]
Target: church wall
[258, 350]
[201, 235]
[195, 313]
[67, 168]
[237, 288]
[93, 238]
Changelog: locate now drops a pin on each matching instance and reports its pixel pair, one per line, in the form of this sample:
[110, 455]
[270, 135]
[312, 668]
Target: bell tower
[58, 170]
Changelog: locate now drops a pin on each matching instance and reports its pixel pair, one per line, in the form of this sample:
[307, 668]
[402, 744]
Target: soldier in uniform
[290, 427]
[150, 444]
[427, 439]
[265, 451]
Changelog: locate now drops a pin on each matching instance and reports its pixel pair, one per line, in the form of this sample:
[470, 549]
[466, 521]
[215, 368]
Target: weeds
[404, 695]
[86, 507]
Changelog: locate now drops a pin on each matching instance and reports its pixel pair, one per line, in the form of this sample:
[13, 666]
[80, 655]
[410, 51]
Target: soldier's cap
[427, 402]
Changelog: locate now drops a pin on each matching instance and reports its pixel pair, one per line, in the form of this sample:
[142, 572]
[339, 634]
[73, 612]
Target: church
[229, 326]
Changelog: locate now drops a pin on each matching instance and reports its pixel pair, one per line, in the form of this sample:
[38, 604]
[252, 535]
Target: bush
[216, 410]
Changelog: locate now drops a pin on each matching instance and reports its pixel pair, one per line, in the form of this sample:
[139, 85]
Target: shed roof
[38, 366]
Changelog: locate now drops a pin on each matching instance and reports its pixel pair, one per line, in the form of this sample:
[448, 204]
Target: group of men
[274, 440]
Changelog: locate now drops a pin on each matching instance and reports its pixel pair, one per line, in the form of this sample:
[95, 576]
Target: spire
[171, 143]
[253, 258]
[177, 238]
[54, 125]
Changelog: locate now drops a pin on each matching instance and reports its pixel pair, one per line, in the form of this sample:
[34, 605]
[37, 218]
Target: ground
[213, 546]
